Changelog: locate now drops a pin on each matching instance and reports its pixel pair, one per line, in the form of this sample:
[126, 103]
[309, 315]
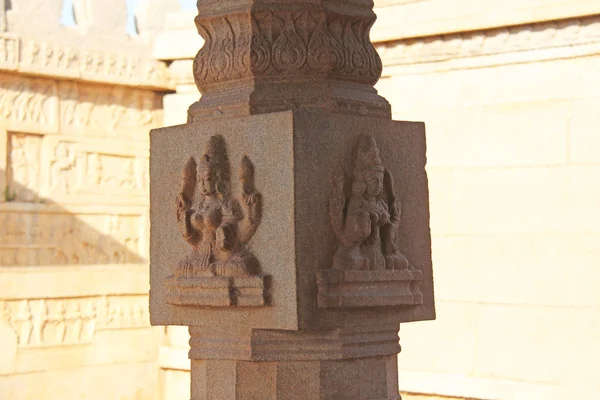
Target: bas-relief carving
[58, 60]
[366, 223]
[60, 322]
[218, 227]
[38, 167]
[285, 42]
[365, 216]
[275, 58]
[64, 239]
[116, 112]
[76, 171]
[24, 167]
[28, 101]
[9, 47]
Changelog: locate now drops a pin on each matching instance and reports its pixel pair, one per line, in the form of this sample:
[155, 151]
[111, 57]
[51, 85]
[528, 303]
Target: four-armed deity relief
[217, 226]
[368, 269]
[220, 270]
[366, 220]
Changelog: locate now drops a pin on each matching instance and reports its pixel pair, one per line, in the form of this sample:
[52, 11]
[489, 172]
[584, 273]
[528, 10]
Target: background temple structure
[510, 94]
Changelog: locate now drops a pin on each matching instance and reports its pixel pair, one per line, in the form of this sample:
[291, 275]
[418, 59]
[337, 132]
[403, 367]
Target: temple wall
[510, 98]
[74, 122]
[514, 166]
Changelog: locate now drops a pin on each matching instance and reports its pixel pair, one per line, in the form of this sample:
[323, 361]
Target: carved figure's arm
[185, 213]
[188, 226]
[337, 204]
[358, 228]
[252, 209]
[250, 203]
[393, 202]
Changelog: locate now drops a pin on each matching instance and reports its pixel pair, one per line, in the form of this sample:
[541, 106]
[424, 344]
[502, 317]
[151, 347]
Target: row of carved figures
[35, 323]
[35, 101]
[364, 209]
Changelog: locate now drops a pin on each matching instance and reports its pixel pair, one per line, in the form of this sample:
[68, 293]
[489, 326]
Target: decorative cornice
[379, 339]
[54, 60]
[541, 36]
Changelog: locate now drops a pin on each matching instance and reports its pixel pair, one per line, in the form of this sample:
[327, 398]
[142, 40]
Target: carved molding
[376, 339]
[531, 37]
[57, 60]
[25, 103]
[273, 57]
[61, 322]
[286, 43]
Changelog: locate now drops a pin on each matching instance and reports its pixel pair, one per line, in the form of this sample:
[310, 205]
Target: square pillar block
[324, 231]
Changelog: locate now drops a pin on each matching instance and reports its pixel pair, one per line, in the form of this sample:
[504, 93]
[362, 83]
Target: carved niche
[220, 270]
[368, 268]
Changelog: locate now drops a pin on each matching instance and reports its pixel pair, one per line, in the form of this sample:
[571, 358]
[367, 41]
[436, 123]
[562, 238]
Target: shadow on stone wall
[41, 232]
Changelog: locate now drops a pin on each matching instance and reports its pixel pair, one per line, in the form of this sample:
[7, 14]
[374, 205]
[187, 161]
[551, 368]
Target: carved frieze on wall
[27, 103]
[72, 321]
[58, 60]
[107, 112]
[43, 168]
[41, 105]
[9, 52]
[368, 268]
[23, 164]
[42, 236]
[220, 270]
[531, 37]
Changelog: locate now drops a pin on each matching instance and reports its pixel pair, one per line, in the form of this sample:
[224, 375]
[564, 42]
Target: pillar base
[367, 378]
[337, 365]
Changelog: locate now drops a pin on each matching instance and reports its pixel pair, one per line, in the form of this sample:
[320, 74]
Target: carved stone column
[290, 218]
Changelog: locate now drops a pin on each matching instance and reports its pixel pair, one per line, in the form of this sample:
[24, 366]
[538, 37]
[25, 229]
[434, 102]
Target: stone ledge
[350, 289]
[217, 291]
[40, 58]
[399, 19]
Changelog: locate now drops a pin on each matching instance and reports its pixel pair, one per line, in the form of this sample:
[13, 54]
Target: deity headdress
[214, 160]
[367, 157]
[367, 160]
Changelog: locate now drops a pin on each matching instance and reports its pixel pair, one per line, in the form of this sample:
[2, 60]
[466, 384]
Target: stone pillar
[293, 270]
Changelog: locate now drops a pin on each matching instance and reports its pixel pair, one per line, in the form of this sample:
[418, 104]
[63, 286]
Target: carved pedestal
[351, 289]
[218, 291]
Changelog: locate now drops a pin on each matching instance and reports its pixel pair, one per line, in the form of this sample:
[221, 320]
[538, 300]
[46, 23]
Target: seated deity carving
[365, 214]
[217, 226]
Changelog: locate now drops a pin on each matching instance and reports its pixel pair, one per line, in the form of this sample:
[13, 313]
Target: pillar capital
[265, 56]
